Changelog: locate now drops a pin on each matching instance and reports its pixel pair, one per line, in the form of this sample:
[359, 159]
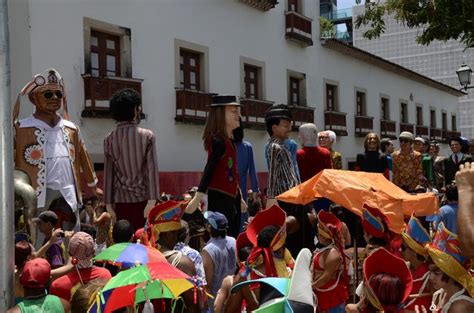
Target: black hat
[47, 217]
[278, 111]
[224, 100]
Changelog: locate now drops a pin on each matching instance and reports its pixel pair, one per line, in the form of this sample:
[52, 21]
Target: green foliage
[438, 19]
[327, 28]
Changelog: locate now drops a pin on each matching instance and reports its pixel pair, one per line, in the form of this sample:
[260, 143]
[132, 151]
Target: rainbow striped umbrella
[130, 254]
[155, 280]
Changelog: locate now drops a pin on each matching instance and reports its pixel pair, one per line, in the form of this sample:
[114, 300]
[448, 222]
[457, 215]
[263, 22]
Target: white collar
[32, 121]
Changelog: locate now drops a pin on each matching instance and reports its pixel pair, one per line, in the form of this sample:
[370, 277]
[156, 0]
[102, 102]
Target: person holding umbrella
[165, 222]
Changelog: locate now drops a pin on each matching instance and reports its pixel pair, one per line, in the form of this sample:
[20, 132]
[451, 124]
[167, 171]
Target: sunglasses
[405, 141]
[50, 94]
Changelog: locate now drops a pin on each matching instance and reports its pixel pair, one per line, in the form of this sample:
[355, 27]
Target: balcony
[436, 134]
[446, 135]
[99, 90]
[406, 127]
[388, 129]
[455, 134]
[335, 121]
[253, 112]
[298, 28]
[422, 131]
[363, 125]
[192, 106]
[263, 5]
[301, 115]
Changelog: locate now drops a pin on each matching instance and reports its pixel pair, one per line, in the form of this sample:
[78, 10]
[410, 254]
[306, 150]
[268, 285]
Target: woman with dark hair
[220, 179]
[372, 160]
[329, 266]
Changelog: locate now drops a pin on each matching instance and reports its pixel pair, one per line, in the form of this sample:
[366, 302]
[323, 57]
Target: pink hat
[81, 249]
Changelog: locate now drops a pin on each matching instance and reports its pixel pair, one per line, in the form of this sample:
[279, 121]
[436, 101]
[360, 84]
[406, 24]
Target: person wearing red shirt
[81, 250]
[311, 158]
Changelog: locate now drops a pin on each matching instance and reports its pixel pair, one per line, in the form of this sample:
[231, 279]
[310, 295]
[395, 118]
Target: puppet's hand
[243, 206]
[193, 205]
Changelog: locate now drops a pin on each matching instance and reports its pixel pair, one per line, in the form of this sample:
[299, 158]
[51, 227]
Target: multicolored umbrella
[283, 295]
[155, 280]
[130, 254]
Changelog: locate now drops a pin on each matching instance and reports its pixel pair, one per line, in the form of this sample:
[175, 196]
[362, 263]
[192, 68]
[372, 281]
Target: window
[419, 116]
[105, 54]
[191, 66]
[107, 65]
[251, 82]
[385, 109]
[454, 127]
[331, 97]
[252, 79]
[107, 49]
[296, 83]
[360, 103]
[189, 70]
[404, 112]
[294, 91]
[293, 6]
[444, 120]
[432, 118]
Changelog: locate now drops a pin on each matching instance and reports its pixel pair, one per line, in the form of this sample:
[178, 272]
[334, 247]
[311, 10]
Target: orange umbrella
[352, 189]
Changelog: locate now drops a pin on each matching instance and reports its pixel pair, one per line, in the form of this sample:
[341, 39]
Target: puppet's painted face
[48, 100]
[232, 117]
[372, 142]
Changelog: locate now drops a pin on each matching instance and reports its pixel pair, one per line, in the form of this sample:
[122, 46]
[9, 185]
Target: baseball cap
[47, 217]
[406, 135]
[217, 220]
[81, 248]
[36, 273]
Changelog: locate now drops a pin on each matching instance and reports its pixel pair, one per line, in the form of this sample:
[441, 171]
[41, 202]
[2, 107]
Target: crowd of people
[227, 236]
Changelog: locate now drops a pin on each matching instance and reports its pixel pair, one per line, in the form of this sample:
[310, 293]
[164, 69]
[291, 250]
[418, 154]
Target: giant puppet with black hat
[49, 147]
[220, 179]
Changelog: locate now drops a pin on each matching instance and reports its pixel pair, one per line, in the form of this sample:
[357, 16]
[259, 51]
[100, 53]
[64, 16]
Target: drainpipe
[7, 251]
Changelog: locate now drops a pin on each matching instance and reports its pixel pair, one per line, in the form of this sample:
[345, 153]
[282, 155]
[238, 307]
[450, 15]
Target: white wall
[230, 30]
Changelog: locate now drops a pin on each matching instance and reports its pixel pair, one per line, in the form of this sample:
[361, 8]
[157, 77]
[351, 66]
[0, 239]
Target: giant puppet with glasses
[49, 148]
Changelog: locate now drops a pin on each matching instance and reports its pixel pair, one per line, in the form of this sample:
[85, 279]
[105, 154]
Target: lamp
[464, 75]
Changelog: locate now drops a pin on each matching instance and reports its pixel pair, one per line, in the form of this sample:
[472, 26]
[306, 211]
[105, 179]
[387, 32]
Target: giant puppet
[220, 179]
[49, 148]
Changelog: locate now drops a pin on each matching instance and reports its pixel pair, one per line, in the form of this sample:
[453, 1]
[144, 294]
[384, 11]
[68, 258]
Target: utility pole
[7, 229]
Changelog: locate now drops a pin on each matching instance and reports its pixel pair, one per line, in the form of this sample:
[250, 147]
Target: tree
[327, 28]
[439, 19]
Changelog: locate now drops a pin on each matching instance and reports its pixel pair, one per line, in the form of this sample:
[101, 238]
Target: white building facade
[439, 60]
[177, 53]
